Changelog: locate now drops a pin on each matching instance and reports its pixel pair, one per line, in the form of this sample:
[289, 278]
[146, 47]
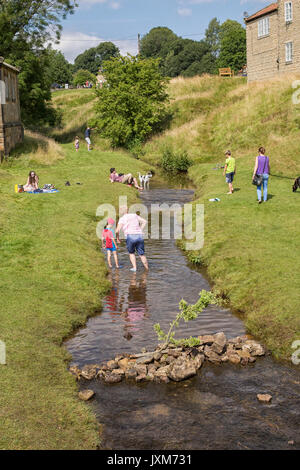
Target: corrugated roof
[262, 12]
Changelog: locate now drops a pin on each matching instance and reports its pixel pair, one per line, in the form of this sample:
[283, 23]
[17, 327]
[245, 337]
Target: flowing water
[218, 408]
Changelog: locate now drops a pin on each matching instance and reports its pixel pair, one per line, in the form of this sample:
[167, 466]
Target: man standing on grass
[87, 136]
[229, 170]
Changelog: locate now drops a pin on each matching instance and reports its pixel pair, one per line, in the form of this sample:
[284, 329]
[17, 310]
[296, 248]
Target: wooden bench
[226, 72]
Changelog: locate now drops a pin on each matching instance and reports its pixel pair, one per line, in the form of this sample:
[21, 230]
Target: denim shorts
[229, 177]
[135, 243]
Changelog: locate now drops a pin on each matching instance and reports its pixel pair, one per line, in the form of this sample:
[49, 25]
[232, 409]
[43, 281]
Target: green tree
[34, 83]
[92, 58]
[157, 42]
[59, 70]
[212, 37]
[82, 76]
[232, 45]
[131, 103]
[184, 53]
[32, 22]
[25, 27]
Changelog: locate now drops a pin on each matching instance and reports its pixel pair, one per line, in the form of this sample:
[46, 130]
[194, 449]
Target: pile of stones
[171, 363]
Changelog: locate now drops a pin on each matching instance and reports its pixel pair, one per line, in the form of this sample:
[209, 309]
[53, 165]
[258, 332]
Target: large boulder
[211, 355]
[182, 369]
[219, 343]
[86, 395]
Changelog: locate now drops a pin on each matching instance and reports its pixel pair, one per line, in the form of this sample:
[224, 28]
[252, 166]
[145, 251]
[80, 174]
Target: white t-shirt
[130, 224]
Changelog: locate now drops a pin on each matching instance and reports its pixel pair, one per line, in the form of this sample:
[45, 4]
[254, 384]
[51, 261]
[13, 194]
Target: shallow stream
[217, 409]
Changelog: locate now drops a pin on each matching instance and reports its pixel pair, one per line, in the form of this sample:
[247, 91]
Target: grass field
[53, 277]
[252, 252]
[52, 272]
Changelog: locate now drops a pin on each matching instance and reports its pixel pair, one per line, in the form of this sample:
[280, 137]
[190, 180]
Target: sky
[120, 21]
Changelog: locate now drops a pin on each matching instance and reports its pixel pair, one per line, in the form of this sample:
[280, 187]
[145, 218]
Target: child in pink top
[109, 242]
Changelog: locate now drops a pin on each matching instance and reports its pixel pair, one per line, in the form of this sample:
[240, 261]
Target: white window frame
[289, 51]
[264, 27]
[288, 12]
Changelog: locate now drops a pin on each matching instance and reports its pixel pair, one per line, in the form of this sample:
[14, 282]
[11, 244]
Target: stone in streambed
[141, 378]
[112, 365]
[206, 339]
[130, 374]
[86, 395]
[145, 359]
[233, 357]
[264, 398]
[111, 378]
[211, 355]
[74, 370]
[89, 372]
[182, 370]
[219, 343]
[256, 349]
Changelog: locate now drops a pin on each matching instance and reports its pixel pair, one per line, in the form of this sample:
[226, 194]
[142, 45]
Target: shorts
[229, 177]
[127, 179]
[111, 249]
[135, 243]
[88, 140]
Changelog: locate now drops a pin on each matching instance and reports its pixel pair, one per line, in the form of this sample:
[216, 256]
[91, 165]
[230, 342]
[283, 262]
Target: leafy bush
[187, 313]
[132, 102]
[173, 162]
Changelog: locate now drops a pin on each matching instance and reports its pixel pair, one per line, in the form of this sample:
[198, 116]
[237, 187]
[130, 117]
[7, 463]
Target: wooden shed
[11, 129]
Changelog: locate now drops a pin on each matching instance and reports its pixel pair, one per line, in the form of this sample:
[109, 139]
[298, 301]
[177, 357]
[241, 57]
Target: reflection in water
[217, 409]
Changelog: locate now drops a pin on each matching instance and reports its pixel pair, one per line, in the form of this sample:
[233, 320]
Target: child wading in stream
[109, 242]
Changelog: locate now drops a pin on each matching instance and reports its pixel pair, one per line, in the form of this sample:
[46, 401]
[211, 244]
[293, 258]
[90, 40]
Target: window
[288, 11]
[289, 52]
[264, 27]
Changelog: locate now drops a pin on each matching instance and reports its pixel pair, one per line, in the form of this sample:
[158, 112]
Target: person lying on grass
[124, 179]
[32, 182]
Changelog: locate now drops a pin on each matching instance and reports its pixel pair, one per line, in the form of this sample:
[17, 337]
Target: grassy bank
[252, 252]
[53, 276]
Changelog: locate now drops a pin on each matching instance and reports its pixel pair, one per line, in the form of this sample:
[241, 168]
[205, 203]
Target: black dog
[296, 184]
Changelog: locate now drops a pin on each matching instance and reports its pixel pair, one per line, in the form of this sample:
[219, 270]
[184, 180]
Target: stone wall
[262, 53]
[289, 32]
[266, 56]
[11, 129]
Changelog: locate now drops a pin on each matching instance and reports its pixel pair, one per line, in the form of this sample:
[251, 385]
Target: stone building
[11, 129]
[273, 40]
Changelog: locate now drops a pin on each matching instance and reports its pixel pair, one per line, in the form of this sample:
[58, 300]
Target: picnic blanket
[43, 191]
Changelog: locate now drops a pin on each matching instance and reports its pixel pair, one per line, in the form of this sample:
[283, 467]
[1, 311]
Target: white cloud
[184, 11]
[114, 4]
[73, 44]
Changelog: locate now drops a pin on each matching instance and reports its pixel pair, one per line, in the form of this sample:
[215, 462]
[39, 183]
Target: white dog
[145, 180]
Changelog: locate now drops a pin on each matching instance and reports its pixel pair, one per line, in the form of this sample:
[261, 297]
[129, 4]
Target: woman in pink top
[132, 226]
[125, 179]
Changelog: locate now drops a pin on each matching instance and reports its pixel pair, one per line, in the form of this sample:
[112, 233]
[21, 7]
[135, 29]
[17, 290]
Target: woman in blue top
[262, 167]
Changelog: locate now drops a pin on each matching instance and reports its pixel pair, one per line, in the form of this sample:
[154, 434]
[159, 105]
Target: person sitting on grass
[109, 242]
[125, 179]
[229, 170]
[32, 182]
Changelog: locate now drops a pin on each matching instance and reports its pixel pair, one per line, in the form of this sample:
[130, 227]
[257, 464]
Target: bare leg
[116, 259]
[136, 184]
[145, 262]
[109, 258]
[133, 260]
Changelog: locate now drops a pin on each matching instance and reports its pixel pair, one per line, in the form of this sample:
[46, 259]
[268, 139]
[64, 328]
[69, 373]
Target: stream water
[218, 408]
